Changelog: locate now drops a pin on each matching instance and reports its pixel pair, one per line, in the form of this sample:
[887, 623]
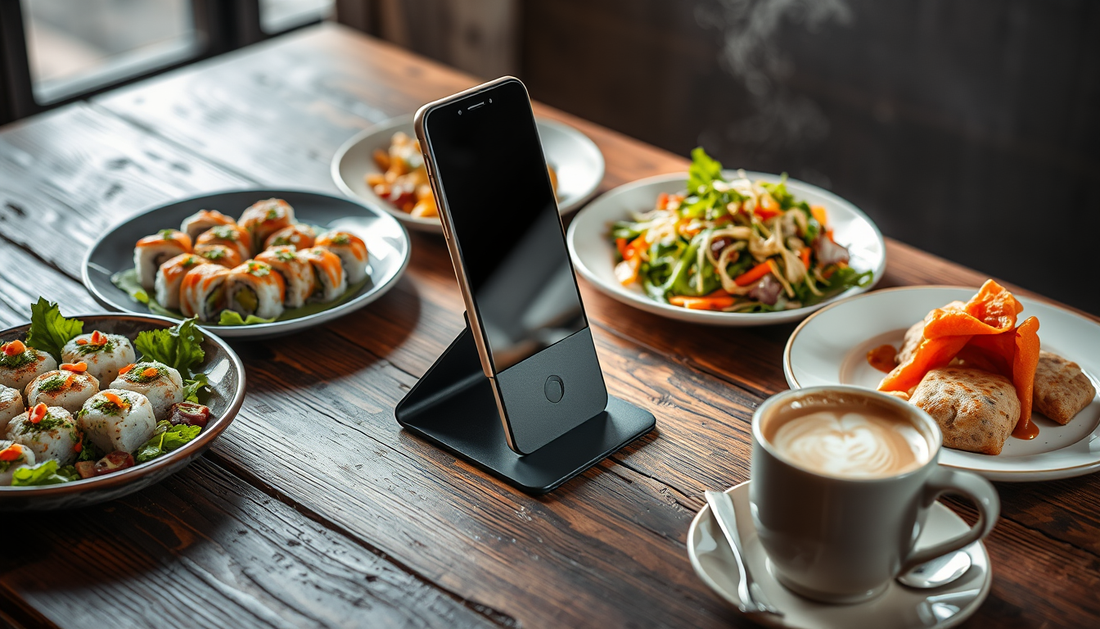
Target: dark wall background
[968, 128]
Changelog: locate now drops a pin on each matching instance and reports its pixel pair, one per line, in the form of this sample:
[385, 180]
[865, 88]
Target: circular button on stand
[554, 389]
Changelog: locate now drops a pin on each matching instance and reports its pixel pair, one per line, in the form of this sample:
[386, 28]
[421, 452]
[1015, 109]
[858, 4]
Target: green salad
[732, 245]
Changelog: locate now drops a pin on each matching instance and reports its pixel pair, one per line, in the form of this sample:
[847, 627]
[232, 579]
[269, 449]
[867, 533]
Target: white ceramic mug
[843, 539]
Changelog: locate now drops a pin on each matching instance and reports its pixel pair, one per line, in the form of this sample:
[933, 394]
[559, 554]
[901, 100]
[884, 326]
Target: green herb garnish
[49, 422]
[49, 330]
[179, 347]
[166, 439]
[21, 359]
[45, 473]
[53, 383]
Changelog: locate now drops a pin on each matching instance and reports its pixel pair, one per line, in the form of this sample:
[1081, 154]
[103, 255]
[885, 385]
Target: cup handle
[980, 491]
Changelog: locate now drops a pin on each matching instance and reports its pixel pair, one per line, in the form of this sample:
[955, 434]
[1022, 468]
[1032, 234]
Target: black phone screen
[491, 169]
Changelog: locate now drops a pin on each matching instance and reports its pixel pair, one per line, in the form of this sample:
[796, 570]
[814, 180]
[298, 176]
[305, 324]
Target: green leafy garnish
[45, 473]
[179, 346]
[53, 383]
[49, 422]
[166, 439]
[127, 281]
[703, 171]
[49, 330]
[230, 317]
[192, 388]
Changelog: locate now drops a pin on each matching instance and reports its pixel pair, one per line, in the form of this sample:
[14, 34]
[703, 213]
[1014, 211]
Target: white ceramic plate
[898, 606]
[594, 254]
[576, 159]
[387, 246]
[831, 348]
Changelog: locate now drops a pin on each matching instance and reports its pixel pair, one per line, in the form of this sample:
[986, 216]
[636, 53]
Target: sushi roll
[300, 236]
[254, 288]
[11, 404]
[12, 457]
[220, 254]
[19, 364]
[49, 432]
[67, 387]
[169, 278]
[230, 236]
[266, 217]
[105, 354]
[117, 419]
[297, 274]
[158, 382]
[202, 292]
[202, 221]
[352, 252]
[328, 273]
[152, 251]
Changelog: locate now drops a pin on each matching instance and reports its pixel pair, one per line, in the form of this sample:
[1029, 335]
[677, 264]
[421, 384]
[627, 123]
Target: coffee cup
[842, 481]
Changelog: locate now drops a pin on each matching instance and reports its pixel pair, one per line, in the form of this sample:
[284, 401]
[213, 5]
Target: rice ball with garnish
[49, 432]
[11, 404]
[19, 364]
[67, 387]
[117, 419]
[156, 381]
[105, 354]
[12, 457]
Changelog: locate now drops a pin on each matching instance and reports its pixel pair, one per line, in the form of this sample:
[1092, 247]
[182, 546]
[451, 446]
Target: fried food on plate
[1061, 389]
[975, 409]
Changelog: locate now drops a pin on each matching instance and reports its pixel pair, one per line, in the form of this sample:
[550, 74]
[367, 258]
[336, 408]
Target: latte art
[851, 444]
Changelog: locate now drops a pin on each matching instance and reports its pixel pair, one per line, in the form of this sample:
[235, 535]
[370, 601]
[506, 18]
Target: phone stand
[453, 407]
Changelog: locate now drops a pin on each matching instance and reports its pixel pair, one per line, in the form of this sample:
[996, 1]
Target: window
[74, 46]
[277, 16]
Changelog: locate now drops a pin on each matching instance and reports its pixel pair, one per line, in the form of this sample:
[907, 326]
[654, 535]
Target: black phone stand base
[453, 407]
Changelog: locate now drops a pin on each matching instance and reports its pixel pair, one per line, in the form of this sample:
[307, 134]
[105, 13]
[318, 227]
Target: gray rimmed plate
[575, 157]
[226, 374]
[387, 245]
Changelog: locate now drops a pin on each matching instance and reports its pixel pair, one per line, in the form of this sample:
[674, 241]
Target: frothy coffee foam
[847, 443]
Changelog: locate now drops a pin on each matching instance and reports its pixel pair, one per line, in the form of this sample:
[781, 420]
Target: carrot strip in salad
[755, 273]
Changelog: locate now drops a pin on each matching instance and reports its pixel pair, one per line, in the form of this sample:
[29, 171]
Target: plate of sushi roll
[95, 407]
[288, 261]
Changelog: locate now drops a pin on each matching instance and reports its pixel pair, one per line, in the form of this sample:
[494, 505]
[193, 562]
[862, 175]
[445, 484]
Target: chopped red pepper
[38, 413]
[99, 338]
[14, 348]
[11, 453]
[81, 341]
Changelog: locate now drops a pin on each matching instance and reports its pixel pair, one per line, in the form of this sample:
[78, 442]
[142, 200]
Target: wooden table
[375, 527]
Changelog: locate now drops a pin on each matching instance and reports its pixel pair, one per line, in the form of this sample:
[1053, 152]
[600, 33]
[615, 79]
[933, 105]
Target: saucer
[899, 606]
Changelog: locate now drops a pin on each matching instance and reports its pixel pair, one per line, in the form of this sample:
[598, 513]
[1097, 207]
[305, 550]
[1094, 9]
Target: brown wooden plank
[204, 549]
[69, 174]
[24, 278]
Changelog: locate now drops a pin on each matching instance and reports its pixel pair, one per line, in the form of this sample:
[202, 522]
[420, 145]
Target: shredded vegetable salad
[733, 245]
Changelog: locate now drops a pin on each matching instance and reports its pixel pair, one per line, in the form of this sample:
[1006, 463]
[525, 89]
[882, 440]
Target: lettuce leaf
[49, 330]
[167, 438]
[45, 473]
[193, 387]
[179, 346]
[230, 317]
[703, 171]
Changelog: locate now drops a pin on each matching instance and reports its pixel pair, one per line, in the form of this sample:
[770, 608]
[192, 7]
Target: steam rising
[750, 54]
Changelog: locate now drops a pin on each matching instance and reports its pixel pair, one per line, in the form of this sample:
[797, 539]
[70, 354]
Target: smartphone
[500, 219]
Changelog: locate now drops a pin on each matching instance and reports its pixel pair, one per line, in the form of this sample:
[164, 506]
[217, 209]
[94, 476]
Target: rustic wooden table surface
[377, 528]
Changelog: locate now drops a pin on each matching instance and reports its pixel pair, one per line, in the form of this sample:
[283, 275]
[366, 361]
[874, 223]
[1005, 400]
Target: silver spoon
[939, 571]
[753, 599]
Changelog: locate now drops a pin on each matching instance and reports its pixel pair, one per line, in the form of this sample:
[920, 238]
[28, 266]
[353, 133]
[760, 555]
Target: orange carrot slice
[79, 367]
[1024, 363]
[14, 348]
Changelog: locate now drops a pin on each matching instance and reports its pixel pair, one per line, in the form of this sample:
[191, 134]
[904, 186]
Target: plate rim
[433, 225]
[997, 475]
[731, 319]
[193, 447]
[258, 330]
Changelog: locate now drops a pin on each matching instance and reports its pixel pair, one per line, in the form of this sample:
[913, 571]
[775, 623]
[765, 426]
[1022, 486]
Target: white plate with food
[249, 263]
[713, 256]
[838, 345]
[575, 162]
[95, 407]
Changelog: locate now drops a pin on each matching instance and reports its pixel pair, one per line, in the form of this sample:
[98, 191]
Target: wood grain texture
[204, 549]
[605, 549]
